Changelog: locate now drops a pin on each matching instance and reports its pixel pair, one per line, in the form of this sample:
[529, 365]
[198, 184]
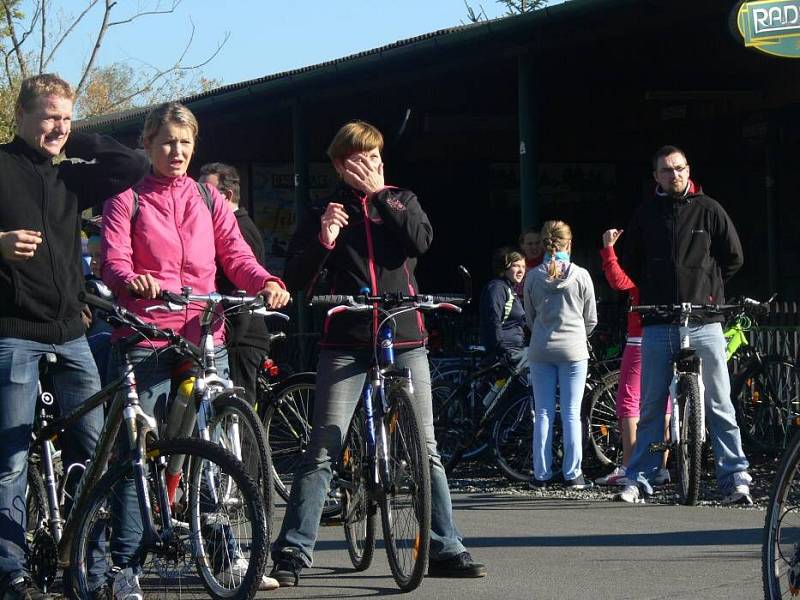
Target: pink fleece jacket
[177, 241]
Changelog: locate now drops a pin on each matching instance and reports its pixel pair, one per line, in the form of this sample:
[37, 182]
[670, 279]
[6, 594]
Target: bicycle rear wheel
[780, 551]
[358, 507]
[512, 437]
[689, 455]
[217, 529]
[406, 497]
[766, 395]
[452, 425]
[603, 432]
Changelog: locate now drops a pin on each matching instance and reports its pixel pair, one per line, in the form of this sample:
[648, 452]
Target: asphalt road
[540, 548]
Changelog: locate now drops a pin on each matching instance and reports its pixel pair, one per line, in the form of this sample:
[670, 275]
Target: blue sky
[266, 36]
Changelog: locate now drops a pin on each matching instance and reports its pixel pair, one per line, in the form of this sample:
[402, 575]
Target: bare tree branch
[100, 35]
[16, 46]
[67, 32]
[175, 4]
[43, 38]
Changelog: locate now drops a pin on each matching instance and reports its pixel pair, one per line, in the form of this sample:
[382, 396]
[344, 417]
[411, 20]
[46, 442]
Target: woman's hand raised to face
[331, 223]
[363, 173]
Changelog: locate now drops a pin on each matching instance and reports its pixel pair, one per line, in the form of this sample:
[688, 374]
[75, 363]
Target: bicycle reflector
[269, 367]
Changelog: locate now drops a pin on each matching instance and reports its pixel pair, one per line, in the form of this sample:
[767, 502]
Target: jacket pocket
[699, 249]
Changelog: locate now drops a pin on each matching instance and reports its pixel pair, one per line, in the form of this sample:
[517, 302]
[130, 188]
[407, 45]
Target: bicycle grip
[97, 302]
[450, 299]
[330, 299]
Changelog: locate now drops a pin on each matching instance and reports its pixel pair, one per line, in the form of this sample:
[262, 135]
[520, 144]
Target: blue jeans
[570, 378]
[153, 382]
[659, 344]
[340, 379]
[74, 377]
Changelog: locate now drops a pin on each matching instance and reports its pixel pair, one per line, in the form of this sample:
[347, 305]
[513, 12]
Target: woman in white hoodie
[561, 313]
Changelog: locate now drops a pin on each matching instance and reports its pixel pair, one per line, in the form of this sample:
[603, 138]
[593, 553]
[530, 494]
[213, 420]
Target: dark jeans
[244, 363]
[340, 378]
[74, 377]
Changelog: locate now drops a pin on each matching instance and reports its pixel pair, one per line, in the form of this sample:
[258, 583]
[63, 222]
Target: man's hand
[362, 175]
[331, 223]
[145, 286]
[611, 236]
[275, 296]
[20, 244]
[86, 317]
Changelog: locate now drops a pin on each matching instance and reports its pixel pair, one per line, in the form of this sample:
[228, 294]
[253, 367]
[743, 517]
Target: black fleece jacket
[682, 250]
[39, 296]
[377, 250]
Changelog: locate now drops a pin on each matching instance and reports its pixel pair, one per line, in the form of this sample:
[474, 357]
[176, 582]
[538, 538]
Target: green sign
[771, 26]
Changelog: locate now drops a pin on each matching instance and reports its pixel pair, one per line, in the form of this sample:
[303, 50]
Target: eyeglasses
[670, 170]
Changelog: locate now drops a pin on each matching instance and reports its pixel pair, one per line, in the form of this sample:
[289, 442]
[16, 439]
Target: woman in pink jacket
[164, 237]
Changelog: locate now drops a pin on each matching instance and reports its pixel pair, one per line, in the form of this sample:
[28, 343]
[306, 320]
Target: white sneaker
[616, 477]
[740, 490]
[662, 477]
[233, 576]
[630, 495]
[126, 586]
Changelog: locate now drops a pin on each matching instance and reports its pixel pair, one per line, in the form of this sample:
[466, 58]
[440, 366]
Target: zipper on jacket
[675, 249]
[60, 311]
[371, 265]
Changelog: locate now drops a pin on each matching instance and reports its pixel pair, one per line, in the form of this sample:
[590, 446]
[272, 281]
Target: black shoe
[537, 484]
[579, 483]
[287, 570]
[23, 588]
[460, 565]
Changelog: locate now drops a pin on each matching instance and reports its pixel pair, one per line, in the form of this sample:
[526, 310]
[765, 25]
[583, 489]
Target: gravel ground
[476, 477]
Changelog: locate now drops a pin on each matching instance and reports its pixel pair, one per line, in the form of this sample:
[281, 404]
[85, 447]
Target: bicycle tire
[602, 426]
[452, 426]
[358, 507]
[406, 498]
[512, 438]
[42, 548]
[780, 550]
[255, 452]
[689, 454]
[193, 526]
[766, 394]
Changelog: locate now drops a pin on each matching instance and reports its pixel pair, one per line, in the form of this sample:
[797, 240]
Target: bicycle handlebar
[745, 304]
[364, 302]
[174, 302]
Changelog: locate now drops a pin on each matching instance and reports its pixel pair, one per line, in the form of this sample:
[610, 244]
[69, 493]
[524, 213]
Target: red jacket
[619, 280]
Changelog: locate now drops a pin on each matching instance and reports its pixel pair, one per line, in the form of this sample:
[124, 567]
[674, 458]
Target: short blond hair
[355, 136]
[169, 112]
[38, 86]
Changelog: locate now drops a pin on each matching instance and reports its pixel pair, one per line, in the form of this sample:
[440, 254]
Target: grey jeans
[340, 379]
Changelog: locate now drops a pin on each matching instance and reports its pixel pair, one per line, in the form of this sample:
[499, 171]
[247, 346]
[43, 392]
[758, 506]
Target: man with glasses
[683, 247]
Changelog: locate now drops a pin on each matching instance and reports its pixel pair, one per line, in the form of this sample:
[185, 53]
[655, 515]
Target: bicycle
[687, 430]
[216, 518]
[766, 388]
[780, 551]
[385, 461]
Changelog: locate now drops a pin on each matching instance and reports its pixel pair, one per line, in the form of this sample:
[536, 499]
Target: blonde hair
[556, 237]
[169, 112]
[355, 136]
[46, 84]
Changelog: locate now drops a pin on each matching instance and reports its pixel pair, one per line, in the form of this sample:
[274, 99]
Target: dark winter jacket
[245, 329]
[682, 250]
[378, 250]
[502, 317]
[39, 296]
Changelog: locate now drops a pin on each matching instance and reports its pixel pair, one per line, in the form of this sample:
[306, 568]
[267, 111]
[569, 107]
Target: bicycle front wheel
[689, 455]
[766, 395]
[217, 527]
[406, 497]
[358, 507]
[512, 436]
[780, 552]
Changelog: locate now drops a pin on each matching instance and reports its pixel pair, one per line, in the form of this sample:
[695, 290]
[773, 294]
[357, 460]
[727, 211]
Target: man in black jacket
[683, 247]
[40, 278]
[246, 334]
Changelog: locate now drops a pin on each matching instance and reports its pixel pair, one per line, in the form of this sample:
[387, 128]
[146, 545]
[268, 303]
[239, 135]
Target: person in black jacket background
[40, 278]
[367, 235]
[246, 334]
[682, 247]
[502, 318]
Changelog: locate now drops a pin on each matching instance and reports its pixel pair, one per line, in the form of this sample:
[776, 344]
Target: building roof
[506, 28]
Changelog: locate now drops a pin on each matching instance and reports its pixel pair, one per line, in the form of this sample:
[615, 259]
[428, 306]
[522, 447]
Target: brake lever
[166, 307]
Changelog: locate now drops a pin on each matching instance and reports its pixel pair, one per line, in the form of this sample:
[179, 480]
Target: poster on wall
[273, 204]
